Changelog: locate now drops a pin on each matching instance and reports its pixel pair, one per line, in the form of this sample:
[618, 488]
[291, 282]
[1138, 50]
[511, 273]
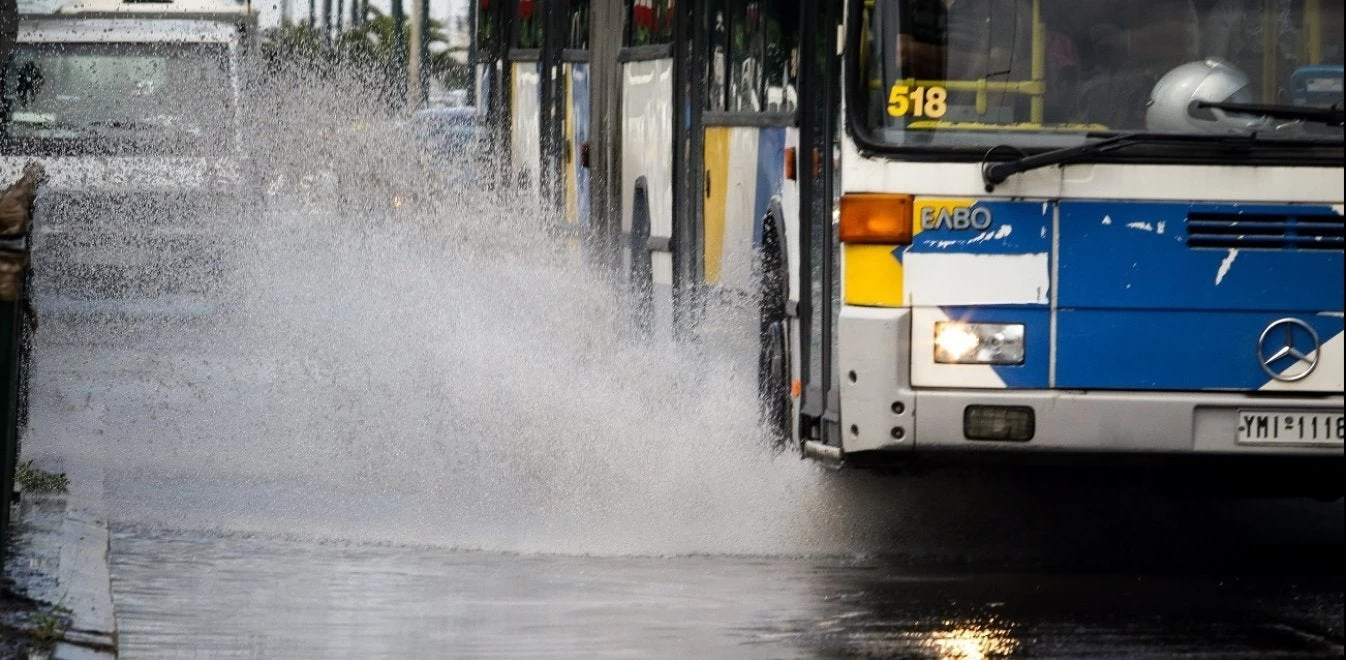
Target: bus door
[816, 380]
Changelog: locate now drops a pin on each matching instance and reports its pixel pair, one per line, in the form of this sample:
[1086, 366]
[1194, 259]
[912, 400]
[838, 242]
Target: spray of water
[443, 372]
[376, 352]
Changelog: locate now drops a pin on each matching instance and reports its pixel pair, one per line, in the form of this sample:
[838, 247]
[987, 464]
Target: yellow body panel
[572, 213]
[873, 276]
[717, 168]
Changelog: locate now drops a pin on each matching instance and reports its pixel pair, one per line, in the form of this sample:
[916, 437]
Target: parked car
[451, 139]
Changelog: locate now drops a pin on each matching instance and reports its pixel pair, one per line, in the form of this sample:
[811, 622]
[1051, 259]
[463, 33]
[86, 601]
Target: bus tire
[773, 362]
[640, 275]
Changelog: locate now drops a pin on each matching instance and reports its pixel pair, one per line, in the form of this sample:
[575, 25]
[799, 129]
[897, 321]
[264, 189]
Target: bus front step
[826, 453]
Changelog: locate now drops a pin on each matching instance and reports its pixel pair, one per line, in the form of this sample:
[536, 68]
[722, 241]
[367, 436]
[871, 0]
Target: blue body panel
[1135, 255]
[579, 92]
[1144, 305]
[1155, 295]
[770, 176]
[1167, 350]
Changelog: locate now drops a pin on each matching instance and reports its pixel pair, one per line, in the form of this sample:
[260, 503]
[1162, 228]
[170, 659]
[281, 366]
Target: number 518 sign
[919, 101]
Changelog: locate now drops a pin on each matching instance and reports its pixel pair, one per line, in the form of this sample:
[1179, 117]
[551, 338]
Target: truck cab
[133, 110]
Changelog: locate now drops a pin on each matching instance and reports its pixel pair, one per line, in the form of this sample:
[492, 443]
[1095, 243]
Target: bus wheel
[773, 363]
[640, 273]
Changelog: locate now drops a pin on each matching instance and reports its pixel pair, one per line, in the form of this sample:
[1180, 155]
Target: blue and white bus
[1030, 227]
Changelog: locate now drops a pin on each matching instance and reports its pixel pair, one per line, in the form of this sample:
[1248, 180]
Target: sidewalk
[64, 561]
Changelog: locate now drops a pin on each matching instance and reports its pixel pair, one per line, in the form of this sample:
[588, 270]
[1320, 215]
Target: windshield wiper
[993, 174]
[1330, 116]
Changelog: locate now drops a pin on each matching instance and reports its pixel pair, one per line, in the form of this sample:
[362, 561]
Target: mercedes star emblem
[1283, 339]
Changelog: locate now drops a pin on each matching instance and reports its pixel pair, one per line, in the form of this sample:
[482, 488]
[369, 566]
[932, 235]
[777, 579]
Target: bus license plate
[1282, 427]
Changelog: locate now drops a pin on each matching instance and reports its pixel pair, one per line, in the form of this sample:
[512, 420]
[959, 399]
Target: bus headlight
[979, 343]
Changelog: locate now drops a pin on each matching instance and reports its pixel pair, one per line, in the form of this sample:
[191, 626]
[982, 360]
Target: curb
[83, 582]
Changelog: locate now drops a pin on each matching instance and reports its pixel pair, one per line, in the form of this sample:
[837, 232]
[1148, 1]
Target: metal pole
[472, 33]
[312, 13]
[327, 22]
[423, 53]
[399, 53]
[10, 318]
[414, 63]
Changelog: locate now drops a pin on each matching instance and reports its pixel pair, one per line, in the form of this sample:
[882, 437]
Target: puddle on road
[189, 594]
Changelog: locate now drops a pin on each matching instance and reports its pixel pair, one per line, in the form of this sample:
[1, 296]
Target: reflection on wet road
[202, 595]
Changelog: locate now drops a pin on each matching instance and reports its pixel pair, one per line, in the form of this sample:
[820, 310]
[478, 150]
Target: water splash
[440, 372]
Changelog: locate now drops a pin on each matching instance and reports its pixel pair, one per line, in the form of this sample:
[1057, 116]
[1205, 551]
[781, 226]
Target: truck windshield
[1047, 73]
[170, 99]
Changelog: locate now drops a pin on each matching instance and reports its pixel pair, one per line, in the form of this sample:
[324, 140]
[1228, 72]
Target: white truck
[133, 109]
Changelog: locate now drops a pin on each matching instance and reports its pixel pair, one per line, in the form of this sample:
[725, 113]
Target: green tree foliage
[368, 50]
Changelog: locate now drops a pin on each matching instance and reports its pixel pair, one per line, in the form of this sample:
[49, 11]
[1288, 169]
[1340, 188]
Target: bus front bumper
[881, 412]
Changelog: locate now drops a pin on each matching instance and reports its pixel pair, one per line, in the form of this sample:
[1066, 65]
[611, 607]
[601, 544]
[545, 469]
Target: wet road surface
[206, 595]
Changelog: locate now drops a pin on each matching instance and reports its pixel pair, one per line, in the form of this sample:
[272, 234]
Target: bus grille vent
[1271, 231]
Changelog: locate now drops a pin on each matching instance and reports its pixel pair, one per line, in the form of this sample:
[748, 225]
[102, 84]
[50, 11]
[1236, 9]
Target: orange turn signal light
[791, 160]
[876, 218]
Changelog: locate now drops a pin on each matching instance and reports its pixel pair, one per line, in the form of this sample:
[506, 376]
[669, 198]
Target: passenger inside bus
[964, 39]
[1125, 47]
[1235, 31]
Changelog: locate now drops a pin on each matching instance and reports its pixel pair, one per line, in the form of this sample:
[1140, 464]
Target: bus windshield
[1046, 73]
[160, 97]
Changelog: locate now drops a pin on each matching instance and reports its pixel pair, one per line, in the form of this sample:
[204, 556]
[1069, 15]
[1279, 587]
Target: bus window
[981, 73]
[781, 53]
[716, 98]
[746, 46]
[577, 24]
[1237, 31]
[650, 22]
[529, 17]
[753, 50]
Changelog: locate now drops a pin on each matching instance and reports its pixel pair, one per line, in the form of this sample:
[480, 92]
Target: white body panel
[647, 146]
[870, 349]
[1327, 376]
[789, 201]
[740, 212]
[525, 131]
[1097, 181]
[976, 279]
